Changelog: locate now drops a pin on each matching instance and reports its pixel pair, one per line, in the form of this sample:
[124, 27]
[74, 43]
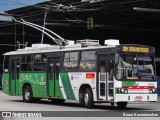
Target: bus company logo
[72, 77]
[90, 75]
[42, 79]
[6, 82]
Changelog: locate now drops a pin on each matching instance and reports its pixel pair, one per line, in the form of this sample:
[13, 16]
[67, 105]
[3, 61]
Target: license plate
[138, 98]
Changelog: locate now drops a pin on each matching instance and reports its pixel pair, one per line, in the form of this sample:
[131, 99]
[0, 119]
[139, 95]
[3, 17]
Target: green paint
[12, 87]
[5, 83]
[54, 88]
[128, 83]
[37, 82]
[58, 90]
[51, 88]
[17, 87]
[67, 86]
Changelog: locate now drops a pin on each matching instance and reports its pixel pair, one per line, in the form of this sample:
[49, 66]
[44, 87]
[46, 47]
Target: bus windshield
[135, 67]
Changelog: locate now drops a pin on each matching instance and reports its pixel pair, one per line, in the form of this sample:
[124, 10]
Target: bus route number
[135, 49]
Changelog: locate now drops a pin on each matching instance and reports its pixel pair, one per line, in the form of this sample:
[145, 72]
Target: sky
[12, 4]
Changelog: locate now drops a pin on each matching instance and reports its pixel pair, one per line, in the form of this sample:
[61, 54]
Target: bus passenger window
[39, 67]
[26, 63]
[70, 65]
[57, 70]
[102, 65]
[70, 61]
[39, 62]
[40, 58]
[88, 61]
[6, 63]
[87, 65]
[26, 67]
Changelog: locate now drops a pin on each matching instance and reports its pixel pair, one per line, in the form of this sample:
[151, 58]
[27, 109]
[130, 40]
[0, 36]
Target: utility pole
[44, 23]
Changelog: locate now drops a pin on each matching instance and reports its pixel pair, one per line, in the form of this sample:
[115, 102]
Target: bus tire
[88, 98]
[122, 105]
[27, 94]
[81, 98]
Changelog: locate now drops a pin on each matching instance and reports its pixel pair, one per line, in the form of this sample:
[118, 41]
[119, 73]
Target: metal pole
[45, 15]
[23, 34]
[15, 35]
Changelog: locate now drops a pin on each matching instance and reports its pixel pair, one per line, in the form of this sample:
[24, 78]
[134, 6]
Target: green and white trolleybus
[85, 71]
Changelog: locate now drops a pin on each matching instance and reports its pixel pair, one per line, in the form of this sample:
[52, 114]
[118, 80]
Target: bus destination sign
[137, 49]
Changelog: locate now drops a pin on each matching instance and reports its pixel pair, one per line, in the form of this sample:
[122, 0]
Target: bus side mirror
[116, 58]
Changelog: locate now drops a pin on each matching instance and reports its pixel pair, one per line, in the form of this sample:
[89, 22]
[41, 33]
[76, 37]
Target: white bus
[85, 71]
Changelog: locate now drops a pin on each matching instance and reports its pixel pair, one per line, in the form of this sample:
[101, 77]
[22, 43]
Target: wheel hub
[86, 98]
[27, 94]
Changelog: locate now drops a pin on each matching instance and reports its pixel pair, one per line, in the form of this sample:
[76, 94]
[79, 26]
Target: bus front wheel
[27, 94]
[121, 105]
[88, 98]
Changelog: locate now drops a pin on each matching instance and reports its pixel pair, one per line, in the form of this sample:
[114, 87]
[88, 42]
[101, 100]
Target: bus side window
[102, 65]
[6, 64]
[70, 61]
[26, 63]
[39, 62]
[88, 61]
[12, 71]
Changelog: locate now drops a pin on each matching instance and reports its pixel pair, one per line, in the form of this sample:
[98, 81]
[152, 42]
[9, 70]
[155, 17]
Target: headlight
[122, 90]
[125, 91]
[153, 90]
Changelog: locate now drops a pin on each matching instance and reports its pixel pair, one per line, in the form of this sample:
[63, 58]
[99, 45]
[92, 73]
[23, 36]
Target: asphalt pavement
[15, 103]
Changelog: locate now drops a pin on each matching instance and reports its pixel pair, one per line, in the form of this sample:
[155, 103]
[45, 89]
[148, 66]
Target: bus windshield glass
[135, 67]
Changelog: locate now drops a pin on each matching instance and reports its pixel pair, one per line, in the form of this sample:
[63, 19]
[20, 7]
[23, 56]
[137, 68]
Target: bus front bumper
[136, 98]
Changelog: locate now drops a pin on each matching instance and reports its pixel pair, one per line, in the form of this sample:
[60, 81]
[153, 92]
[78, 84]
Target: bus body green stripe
[128, 83]
[67, 86]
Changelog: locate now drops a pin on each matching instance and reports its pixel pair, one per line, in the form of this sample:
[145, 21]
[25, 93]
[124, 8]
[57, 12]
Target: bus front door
[53, 77]
[14, 76]
[105, 77]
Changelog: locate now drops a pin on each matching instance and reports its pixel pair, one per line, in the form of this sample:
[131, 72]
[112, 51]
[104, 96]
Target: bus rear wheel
[88, 98]
[27, 94]
[122, 105]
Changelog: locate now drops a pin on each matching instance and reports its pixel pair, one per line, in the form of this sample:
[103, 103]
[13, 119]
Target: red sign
[90, 75]
[138, 98]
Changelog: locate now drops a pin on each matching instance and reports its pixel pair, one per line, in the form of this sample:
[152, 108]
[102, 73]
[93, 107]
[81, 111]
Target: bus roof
[46, 48]
[84, 45]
